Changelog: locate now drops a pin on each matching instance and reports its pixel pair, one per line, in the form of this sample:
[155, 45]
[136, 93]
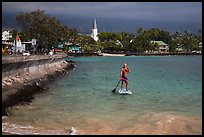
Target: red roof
[18, 38]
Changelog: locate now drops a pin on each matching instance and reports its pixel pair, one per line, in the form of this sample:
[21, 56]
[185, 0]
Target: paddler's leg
[122, 85]
[126, 82]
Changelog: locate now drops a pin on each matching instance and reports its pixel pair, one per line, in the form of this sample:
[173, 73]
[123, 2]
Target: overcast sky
[156, 11]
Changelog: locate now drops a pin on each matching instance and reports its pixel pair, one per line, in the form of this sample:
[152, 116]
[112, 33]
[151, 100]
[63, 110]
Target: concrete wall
[23, 71]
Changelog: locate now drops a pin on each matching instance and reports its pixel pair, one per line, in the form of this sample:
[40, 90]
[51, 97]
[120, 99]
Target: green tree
[87, 43]
[46, 29]
[14, 33]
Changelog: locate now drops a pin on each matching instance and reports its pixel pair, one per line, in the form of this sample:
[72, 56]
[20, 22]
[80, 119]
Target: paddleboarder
[124, 76]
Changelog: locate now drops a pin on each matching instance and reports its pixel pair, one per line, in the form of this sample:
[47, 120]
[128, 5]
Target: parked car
[26, 53]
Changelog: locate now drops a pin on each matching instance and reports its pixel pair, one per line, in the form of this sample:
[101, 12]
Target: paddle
[116, 87]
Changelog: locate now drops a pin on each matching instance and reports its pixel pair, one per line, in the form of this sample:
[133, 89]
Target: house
[74, 48]
[200, 46]
[178, 49]
[59, 48]
[6, 35]
[162, 47]
[19, 47]
[7, 45]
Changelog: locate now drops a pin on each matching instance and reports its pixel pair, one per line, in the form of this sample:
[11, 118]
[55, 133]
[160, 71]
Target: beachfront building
[200, 46]
[6, 43]
[178, 49]
[18, 46]
[10, 46]
[162, 47]
[74, 49]
[6, 35]
[94, 31]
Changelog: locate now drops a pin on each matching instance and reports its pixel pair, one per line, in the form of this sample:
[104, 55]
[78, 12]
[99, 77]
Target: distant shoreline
[131, 54]
[162, 54]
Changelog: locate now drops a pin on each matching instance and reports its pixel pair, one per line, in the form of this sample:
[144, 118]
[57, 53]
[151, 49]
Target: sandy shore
[144, 124]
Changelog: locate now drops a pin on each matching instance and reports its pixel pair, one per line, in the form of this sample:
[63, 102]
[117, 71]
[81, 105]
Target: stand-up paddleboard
[124, 92]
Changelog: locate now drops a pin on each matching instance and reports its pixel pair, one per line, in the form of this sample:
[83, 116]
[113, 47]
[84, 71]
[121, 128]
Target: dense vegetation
[48, 30]
[49, 33]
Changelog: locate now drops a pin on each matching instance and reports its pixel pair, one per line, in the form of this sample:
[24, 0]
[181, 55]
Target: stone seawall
[24, 71]
[18, 69]
[22, 79]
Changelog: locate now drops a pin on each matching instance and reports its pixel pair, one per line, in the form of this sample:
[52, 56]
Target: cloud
[160, 11]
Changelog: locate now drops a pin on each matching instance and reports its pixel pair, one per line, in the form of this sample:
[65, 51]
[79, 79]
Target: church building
[94, 31]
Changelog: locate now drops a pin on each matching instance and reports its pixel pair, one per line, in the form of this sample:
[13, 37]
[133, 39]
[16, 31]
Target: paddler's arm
[121, 73]
[128, 69]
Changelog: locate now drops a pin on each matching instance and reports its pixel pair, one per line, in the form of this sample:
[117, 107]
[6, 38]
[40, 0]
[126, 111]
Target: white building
[94, 31]
[162, 47]
[6, 44]
[6, 35]
[18, 46]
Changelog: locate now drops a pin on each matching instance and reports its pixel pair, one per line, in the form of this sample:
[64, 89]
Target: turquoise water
[160, 84]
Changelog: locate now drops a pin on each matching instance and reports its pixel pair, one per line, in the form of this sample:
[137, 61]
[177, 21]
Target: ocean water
[166, 99]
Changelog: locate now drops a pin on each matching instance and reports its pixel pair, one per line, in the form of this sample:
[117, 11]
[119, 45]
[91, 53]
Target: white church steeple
[94, 31]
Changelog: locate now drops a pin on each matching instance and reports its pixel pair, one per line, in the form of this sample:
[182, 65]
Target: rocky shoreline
[23, 92]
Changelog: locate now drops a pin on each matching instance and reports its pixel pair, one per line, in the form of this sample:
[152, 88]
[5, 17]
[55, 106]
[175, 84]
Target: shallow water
[166, 99]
